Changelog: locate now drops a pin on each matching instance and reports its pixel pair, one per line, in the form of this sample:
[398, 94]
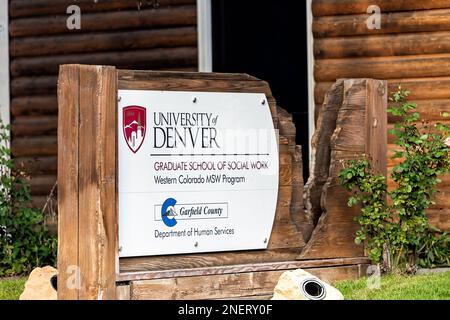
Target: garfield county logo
[134, 126]
[168, 212]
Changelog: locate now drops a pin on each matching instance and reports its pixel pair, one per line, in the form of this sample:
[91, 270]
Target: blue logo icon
[168, 213]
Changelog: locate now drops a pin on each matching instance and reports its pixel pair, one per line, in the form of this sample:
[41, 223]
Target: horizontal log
[95, 42]
[383, 45]
[414, 66]
[34, 105]
[340, 7]
[193, 261]
[33, 147]
[240, 268]
[181, 84]
[42, 185]
[146, 59]
[34, 126]
[420, 88]
[180, 69]
[430, 110]
[401, 22]
[25, 86]
[392, 162]
[423, 88]
[38, 201]
[27, 8]
[430, 127]
[440, 197]
[228, 286]
[119, 20]
[37, 165]
[146, 75]
[439, 218]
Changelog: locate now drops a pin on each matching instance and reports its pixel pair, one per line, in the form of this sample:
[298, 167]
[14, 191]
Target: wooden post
[376, 124]
[88, 260]
[359, 128]
[87, 182]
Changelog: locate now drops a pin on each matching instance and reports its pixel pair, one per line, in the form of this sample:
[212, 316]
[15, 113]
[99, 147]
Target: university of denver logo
[134, 126]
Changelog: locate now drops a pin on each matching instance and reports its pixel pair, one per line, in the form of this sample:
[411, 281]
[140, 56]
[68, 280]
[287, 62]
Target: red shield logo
[134, 126]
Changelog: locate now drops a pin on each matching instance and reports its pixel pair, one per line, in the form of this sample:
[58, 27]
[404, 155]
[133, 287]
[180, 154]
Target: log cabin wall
[150, 35]
[412, 48]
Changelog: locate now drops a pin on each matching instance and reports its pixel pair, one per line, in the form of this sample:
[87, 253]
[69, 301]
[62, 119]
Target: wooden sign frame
[88, 261]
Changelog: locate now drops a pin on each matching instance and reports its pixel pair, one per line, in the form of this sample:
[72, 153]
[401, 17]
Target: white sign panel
[198, 172]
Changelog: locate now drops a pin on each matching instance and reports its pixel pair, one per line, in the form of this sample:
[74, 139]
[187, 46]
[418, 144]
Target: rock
[301, 285]
[38, 286]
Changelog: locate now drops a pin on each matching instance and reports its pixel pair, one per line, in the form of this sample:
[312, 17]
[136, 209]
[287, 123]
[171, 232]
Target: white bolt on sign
[74, 20]
[374, 21]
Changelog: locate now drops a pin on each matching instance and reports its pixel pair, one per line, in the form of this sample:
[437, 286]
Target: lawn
[11, 288]
[419, 287]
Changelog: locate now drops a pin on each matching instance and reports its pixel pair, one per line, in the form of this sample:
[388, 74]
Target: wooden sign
[198, 172]
[90, 264]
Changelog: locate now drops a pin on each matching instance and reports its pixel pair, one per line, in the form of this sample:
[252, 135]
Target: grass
[395, 287]
[11, 288]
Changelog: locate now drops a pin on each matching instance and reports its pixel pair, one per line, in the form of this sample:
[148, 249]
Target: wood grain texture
[26, 8]
[341, 7]
[87, 181]
[34, 125]
[156, 58]
[41, 184]
[194, 261]
[424, 89]
[252, 285]
[97, 182]
[383, 45]
[321, 152]
[37, 165]
[376, 125]
[110, 41]
[40, 85]
[123, 292]
[299, 217]
[414, 66]
[109, 20]
[34, 105]
[34, 146]
[68, 255]
[360, 129]
[240, 268]
[397, 22]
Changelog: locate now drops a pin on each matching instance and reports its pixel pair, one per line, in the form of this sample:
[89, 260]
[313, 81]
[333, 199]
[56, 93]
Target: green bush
[25, 242]
[400, 229]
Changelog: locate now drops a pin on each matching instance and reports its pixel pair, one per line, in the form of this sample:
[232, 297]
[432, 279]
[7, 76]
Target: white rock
[38, 286]
[296, 284]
